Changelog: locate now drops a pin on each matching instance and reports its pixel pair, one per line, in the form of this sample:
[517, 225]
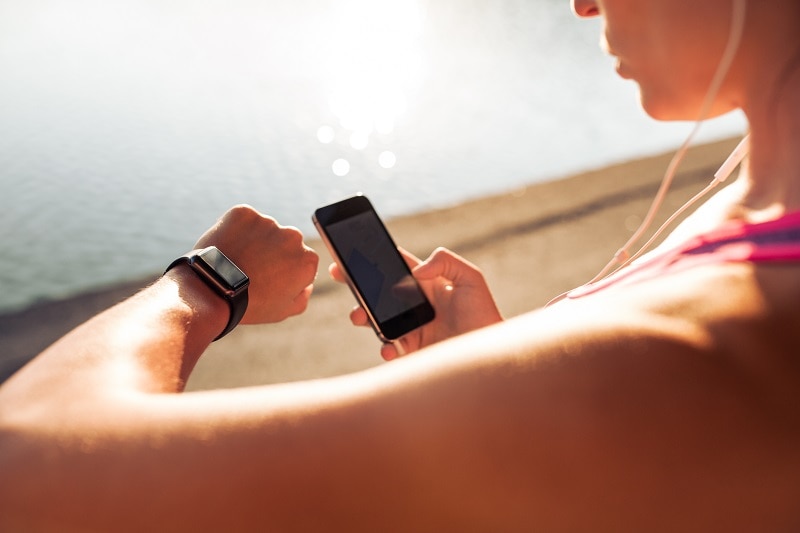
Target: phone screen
[377, 273]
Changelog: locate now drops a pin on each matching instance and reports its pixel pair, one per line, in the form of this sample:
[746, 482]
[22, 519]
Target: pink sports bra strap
[773, 241]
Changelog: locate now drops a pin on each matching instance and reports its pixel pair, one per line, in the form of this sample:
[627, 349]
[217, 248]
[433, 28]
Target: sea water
[127, 127]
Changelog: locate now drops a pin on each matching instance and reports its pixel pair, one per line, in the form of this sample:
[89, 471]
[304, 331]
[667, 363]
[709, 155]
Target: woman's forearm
[149, 342]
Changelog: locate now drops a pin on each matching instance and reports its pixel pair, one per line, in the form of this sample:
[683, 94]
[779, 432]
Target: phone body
[373, 267]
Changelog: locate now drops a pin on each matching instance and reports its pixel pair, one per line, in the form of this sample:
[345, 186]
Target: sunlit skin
[672, 404]
[668, 48]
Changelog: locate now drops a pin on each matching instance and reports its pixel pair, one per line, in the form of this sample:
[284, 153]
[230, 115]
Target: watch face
[224, 268]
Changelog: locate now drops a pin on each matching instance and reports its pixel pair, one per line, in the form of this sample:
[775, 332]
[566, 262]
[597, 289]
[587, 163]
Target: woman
[664, 398]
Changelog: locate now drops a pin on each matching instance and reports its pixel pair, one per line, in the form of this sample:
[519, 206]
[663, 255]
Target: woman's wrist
[208, 312]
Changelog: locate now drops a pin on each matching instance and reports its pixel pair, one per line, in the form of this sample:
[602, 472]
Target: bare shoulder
[635, 403]
[745, 310]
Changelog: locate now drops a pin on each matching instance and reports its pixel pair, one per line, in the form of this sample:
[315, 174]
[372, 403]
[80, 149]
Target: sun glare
[326, 134]
[387, 159]
[341, 167]
[373, 65]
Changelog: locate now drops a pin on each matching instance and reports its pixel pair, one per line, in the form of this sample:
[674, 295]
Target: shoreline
[526, 241]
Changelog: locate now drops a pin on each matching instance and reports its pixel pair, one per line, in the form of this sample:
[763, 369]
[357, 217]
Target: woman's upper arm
[515, 425]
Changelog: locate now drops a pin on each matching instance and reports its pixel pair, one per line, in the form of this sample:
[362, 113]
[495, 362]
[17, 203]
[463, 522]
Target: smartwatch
[223, 276]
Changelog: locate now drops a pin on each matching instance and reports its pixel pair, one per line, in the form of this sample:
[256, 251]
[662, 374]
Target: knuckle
[293, 234]
[311, 272]
[242, 211]
[269, 222]
[300, 306]
[313, 260]
[442, 254]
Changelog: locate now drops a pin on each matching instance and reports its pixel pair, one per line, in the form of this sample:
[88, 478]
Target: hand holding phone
[373, 267]
[455, 286]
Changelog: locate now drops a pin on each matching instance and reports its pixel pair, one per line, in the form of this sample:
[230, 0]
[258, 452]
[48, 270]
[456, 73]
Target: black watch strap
[223, 276]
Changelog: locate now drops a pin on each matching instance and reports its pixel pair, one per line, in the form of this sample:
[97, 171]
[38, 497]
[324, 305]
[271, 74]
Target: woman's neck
[771, 177]
[770, 183]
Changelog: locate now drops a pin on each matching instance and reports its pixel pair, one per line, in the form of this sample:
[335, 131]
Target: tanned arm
[567, 418]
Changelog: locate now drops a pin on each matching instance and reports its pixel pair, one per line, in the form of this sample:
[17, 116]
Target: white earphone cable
[623, 257]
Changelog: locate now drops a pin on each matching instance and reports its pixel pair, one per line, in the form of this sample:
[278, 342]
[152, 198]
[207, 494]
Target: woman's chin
[664, 110]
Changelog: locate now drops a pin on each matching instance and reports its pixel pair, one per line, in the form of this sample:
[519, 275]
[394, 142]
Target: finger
[358, 317]
[300, 302]
[305, 294]
[389, 352]
[411, 260]
[336, 272]
[449, 265]
[395, 349]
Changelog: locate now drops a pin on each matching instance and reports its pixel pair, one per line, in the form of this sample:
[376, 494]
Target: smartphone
[377, 274]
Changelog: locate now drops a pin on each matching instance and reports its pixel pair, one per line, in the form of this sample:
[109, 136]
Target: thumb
[449, 265]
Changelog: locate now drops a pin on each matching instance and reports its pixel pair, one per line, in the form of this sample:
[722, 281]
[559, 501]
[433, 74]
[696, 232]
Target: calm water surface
[126, 127]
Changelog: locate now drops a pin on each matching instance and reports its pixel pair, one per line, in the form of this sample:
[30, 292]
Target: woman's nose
[585, 8]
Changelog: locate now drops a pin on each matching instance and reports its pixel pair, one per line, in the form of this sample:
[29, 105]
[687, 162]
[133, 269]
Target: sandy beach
[532, 243]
